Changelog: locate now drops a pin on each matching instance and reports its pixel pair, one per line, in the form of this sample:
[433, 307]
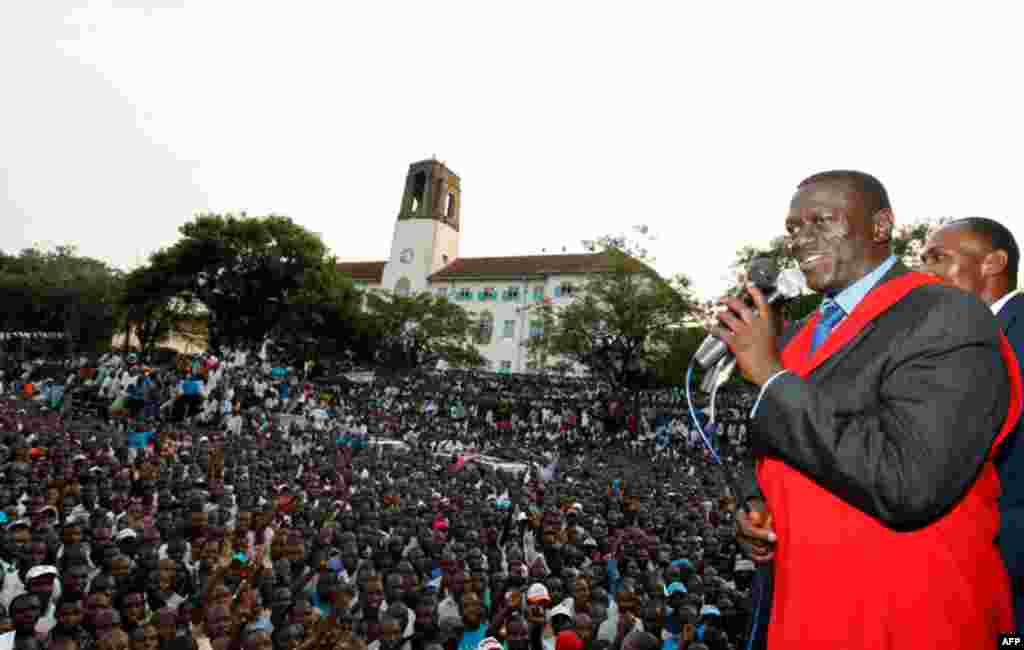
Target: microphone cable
[729, 484]
[724, 367]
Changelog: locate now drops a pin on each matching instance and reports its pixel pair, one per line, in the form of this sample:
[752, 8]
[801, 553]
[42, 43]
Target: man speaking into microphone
[874, 431]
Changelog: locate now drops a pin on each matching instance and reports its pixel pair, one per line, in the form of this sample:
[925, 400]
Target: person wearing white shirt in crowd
[210, 411]
[319, 417]
[12, 585]
[108, 386]
[45, 577]
[235, 421]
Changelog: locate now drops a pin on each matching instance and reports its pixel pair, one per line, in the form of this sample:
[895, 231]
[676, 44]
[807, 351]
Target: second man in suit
[981, 256]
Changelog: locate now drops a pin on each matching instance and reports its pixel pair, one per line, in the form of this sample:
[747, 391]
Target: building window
[511, 294]
[419, 188]
[488, 294]
[565, 290]
[485, 328]
[509, 330]
[506, 367]
[536, 328]
[463, 294]
[538, 293]
[444, 259]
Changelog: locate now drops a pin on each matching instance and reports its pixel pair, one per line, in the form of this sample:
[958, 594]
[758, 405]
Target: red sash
[843, 580]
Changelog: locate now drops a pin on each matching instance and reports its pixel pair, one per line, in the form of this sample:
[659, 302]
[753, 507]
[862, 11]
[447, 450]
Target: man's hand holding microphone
[758, 359]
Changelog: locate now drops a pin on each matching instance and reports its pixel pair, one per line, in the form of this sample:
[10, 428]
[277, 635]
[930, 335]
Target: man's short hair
[24, 596]
[62, 637]
[69, 600]
[875, 195]
[998, 237]
[637, 640]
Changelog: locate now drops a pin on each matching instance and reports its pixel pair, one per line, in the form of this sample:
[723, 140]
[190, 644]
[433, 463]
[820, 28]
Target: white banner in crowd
[31, 335]
[361, 377]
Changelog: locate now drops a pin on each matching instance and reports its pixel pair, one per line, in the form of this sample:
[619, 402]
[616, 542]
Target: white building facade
[502, 291]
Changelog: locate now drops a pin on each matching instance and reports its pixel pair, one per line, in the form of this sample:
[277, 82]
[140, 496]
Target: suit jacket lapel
[836, 357]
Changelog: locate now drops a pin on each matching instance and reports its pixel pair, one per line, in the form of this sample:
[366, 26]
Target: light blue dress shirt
[848, 299]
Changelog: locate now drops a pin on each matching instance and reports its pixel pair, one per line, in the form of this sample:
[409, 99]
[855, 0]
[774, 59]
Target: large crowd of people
[239, 500]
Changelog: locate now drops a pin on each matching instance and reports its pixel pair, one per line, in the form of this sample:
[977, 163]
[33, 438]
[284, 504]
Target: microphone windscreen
[763, 272]
[791, 283]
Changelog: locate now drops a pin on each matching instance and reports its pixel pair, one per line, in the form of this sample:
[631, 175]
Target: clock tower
[427, 229]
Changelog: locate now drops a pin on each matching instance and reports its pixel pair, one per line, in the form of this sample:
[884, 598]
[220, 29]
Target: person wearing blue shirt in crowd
[674, 621]
[136, 394]
[192, 395]
[139, 438]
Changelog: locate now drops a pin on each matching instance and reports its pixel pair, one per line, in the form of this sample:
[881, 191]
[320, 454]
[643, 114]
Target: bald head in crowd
[637, 640]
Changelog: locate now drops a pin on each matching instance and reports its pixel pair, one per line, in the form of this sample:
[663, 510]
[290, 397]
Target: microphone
[778, 287]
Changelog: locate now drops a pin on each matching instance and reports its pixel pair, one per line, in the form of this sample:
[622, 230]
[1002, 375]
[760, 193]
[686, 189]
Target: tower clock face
[406, 256]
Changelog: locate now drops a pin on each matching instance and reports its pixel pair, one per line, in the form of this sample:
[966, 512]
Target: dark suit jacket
[1010, 461]
[899, 422]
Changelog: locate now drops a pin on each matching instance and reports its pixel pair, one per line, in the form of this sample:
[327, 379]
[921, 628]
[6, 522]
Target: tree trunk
[127, 331]
[213, 336]
[74, 326]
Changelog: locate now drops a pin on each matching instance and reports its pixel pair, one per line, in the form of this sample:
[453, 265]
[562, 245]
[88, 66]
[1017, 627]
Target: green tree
[323, 317]
[682, 342]
[152, 309]
[60, 291]
[420, 330]
[244, 270]
[624, 323]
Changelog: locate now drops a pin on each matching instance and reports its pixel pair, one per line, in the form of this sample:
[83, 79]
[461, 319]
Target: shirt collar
[999, 304]
[852, 295]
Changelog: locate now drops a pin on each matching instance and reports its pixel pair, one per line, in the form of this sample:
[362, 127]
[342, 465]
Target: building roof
[498, 267]
[527, 265]
[363, 270]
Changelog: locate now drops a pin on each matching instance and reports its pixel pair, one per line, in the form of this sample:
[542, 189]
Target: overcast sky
[565, 120]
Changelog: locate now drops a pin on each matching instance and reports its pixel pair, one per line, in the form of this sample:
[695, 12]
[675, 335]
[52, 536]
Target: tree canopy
[420, 330]
[246, 271]
[323, 316]
[624, 322]
[152, 308]
[60, 291]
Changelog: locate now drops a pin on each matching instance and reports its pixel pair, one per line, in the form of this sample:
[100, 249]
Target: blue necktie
[831, 314]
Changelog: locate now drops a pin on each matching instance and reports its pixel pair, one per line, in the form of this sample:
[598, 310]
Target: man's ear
[994, 263]
[883, 223]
